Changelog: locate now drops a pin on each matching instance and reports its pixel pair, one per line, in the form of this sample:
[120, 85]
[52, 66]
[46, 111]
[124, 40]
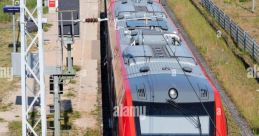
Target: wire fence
[241, 37]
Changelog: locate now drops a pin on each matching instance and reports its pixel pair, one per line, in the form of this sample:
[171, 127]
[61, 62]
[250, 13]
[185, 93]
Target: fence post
[224, 20]
[214, 11]
[218, 16]
[253, 50]
[237, 34]
[244, 41]
[205, 3]
[230, 27]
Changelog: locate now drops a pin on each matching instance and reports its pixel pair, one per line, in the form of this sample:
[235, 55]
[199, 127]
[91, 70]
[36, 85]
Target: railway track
[242, 123]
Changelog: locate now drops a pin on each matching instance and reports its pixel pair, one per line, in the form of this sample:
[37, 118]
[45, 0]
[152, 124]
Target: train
[157, 87]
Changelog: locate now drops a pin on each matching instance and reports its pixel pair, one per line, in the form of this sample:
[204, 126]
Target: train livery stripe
[126, 123]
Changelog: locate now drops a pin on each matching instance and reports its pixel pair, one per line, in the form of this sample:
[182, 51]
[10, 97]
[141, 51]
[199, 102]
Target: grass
[70, 94]
[92, 132]
[77, 68]
[6, 107]
[46, 27]
[3, 16]
[72, 81]
[76, 115]
[2, 120]
[15, 128]
[240, 12]
[233, 129]
[31, 4]
[228, 69]
[6, 85]
[5, 50]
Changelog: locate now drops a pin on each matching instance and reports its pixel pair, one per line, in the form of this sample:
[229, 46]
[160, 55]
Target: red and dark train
[158, 88]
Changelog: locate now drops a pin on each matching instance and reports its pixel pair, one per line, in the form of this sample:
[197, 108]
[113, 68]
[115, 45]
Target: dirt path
[11, 113]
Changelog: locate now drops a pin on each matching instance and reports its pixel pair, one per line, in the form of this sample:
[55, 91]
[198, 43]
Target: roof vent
[124, 1]
[150, 2]
[160, 19]
[134, 33]
[144, 69]
[120, 17]
[166, 68]
[187, 69]
[131, 27]
[165, 28]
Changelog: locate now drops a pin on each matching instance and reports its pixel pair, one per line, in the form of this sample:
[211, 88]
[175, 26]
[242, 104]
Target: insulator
[91, 20]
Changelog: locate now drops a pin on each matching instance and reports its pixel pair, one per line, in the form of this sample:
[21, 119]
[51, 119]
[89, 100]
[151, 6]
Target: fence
[241, 37]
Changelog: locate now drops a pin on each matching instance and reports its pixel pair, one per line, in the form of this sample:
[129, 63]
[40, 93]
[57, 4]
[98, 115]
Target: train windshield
[161, 119]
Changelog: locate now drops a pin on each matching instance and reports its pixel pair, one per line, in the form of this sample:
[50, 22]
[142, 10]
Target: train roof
[155, 57]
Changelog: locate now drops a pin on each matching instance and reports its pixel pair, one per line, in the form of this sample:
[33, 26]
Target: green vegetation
[3, 16]
[77, 68]
[228, 69]
[70, 94]
[32, 4]
[233, 129]
[76, 115]
[5, 50]
[6, 107]
[15, 128]
[2, 120]
[92, 132]
[7, 17]
[6, 84]
[72, 81]
[46, 27]
[97, 110]
[241, 12]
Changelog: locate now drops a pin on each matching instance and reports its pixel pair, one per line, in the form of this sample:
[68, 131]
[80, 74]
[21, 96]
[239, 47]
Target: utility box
[32, 62]
[16, 64]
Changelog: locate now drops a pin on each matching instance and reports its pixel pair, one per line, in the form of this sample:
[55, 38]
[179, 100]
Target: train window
[163, 119]
[167, 125]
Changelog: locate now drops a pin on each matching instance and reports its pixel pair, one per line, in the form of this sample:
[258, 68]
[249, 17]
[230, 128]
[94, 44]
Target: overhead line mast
[32, 76]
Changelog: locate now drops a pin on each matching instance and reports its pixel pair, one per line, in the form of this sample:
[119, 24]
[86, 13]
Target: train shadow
[104, 77]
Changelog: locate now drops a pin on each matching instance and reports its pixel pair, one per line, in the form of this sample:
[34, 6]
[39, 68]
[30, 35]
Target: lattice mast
[32, 76]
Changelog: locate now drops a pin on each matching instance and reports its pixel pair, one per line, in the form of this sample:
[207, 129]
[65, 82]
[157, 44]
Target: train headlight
[173, 94]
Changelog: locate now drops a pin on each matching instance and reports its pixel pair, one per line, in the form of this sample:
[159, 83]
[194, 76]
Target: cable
[151, 85]
[183, 111]
[205, 109]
